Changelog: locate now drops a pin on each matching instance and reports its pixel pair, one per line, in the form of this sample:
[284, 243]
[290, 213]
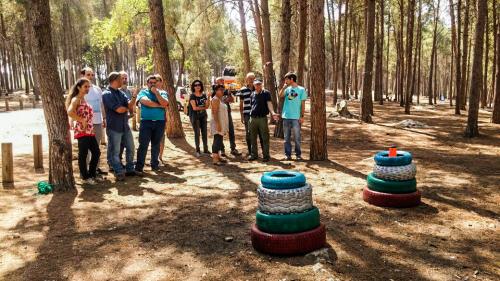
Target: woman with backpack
[197, 111]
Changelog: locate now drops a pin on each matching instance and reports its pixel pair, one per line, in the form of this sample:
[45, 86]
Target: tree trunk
[269, 78]
[484, 92]
[162, 66]
[495, 54]
[317, 73]
[458, 63]
[366, 96]
[495, 117]
[401, 61]
[433, 54]
[286, 16]
[331, 26]
[344, 48]
[409, 54]
[258, 28]
[465, 41]
[56, 118]
[244, 37]
[302, 41]
[472, 129]
[337, 52]
[356, 55]
[379, 77]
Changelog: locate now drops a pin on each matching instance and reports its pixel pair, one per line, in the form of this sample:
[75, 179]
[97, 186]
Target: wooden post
[38, 151]
[7, 163]
[21, 104]
[7, 108]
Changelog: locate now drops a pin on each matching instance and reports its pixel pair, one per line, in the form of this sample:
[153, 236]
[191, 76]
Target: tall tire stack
[287, 222]
[392, 182]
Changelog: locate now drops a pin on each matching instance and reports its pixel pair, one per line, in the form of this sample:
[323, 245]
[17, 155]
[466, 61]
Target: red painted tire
[288, 244]
[381, 199]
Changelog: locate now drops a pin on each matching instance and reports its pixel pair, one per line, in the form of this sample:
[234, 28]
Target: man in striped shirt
[245, 107]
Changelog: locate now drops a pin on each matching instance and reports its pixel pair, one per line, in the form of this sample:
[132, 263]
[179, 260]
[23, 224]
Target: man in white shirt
[94, 99]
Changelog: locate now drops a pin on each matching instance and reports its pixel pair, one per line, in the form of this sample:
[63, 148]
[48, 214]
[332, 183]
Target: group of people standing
[255, 106]
[92, 111]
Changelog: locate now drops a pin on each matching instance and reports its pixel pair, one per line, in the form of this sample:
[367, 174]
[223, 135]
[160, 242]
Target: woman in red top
[81, 112]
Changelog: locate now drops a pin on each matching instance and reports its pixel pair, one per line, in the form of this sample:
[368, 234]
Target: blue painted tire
[403, 158]
[283, 180]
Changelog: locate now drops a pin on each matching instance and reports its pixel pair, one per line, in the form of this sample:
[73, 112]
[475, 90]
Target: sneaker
[101, 172]
[287, 158]
[235, 152]
[98, 178]
[89, 181]
[266, 159]
[120, 177]
[198, 154]
[251, 158]
[155, 169]
[299, 158]
[206, 152]
[223, 160]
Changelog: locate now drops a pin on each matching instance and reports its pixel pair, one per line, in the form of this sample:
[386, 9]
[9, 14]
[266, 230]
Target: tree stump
[38, 151]
[7, 163]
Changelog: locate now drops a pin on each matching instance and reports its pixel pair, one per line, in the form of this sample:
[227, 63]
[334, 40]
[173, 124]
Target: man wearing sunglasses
[293, 113]
[94, 99]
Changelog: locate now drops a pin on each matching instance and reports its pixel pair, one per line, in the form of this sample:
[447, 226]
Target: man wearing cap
[293, 113]
[245, 94]
[261, 106]
[228, 99]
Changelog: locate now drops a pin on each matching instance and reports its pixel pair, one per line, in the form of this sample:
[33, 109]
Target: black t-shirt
[259, 104]
[199, 101]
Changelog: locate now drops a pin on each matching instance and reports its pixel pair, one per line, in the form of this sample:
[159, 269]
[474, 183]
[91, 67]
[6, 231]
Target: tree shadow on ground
[58, 242]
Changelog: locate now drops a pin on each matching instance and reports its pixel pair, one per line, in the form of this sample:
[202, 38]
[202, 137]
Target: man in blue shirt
[117, 108]
[293, 113]
[153, 104]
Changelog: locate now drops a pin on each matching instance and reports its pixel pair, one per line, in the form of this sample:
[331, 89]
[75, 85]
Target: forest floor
[172, 225]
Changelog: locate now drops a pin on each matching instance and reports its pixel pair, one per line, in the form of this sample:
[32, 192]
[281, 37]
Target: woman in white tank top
[219, 125]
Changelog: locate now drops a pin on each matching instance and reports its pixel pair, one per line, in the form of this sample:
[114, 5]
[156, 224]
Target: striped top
[245, 95]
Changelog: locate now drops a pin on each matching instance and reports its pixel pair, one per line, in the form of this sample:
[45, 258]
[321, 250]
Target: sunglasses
[197, 85]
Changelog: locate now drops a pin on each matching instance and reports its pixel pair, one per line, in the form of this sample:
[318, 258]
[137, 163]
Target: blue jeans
[290, 125]
[150, 131]
[115, 139]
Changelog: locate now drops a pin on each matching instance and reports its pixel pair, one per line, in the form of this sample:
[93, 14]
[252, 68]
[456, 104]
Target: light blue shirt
[151, 113]
[293, 102]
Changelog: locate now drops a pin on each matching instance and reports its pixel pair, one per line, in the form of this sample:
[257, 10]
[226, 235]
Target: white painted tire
[395, 173]
[285, 201]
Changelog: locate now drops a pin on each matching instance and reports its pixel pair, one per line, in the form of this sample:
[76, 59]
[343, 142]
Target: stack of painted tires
[287, 221]
[392, 183]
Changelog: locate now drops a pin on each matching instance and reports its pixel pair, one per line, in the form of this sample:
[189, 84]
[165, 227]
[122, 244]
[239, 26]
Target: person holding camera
[153, 104]
[293, 113]
[197, 109]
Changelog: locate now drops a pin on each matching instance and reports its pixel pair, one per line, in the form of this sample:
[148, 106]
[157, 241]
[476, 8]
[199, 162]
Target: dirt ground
[172, 225]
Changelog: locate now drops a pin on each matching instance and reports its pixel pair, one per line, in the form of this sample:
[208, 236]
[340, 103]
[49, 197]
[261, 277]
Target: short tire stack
[392, 182]
[287, 222]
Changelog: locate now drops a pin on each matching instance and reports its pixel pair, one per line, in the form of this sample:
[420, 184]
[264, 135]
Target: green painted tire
[393, 187]
[289, 223]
